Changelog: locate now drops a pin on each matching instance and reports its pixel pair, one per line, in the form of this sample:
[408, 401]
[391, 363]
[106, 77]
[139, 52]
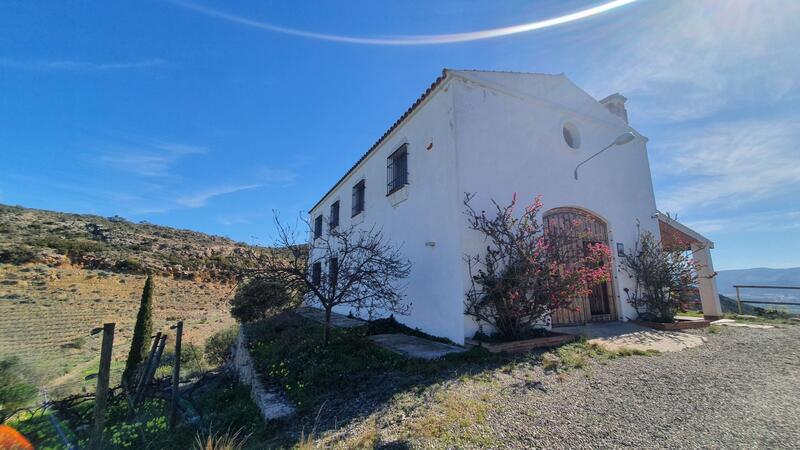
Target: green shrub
[130, 265]
[14, 391]
[218, 346]
[17, 255]
[78, 343]
[69, 247]
[259, 298]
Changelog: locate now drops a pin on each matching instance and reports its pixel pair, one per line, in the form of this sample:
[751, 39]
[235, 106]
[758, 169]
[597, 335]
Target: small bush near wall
[664, 279]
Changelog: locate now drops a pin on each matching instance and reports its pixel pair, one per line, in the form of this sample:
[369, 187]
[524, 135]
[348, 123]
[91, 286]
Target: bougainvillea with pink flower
[527, 270]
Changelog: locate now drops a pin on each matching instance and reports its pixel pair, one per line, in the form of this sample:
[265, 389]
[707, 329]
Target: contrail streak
[431, 39]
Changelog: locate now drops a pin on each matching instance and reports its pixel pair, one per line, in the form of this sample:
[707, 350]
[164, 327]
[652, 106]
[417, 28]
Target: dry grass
[221, 441]
[46, 315]
[455, 417]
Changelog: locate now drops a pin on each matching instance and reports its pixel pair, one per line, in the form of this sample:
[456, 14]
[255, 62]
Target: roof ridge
[420, 99]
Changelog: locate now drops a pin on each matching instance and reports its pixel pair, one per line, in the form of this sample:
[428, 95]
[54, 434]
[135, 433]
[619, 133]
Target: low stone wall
[273, 405]
[524, 345]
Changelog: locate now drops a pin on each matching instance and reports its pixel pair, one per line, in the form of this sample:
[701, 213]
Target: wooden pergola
[674, 233]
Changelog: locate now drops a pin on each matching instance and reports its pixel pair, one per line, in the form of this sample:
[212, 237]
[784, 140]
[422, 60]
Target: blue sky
[200, 115]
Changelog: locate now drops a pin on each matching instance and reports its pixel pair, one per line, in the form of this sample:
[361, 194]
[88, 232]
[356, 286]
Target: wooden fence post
[149, 361]
[150, 370]
[176, 375]
[101, 395]
[738, 300]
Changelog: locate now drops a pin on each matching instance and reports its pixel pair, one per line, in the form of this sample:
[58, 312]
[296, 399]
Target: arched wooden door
[599, 306]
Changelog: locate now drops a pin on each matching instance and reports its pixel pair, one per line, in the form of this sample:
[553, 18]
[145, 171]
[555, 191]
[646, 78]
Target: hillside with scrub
[62, 275]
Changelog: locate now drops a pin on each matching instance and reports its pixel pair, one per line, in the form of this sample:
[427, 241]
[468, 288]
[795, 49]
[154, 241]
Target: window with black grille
[358, 197]
[397, 169]
[333, 221]
[318, 227]
[333, 270]
[316, 273]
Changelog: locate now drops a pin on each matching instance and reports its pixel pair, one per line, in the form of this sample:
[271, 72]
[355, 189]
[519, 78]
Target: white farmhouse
[497, 134]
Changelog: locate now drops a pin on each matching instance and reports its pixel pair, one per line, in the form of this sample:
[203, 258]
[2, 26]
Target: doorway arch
[600, 305]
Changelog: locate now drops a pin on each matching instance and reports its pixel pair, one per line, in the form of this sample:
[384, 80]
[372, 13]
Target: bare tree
[665, 278]
[353, 266]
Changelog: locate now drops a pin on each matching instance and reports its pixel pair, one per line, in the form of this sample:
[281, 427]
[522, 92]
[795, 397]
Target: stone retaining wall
[273, 405]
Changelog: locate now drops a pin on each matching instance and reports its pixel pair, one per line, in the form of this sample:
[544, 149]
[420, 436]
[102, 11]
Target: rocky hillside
[61, 275]
[113, 244]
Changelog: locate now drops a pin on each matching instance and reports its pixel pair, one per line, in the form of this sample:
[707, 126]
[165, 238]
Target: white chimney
[616, 104]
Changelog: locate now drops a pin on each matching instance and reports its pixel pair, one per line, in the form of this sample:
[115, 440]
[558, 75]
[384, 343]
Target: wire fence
[739, 300]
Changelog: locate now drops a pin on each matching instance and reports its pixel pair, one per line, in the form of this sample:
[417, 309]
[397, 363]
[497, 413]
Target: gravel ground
[739, 390]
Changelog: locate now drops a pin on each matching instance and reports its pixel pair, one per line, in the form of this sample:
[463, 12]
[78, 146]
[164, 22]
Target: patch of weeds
[365, 438]
[577, 355]
[714, 329]
[766, 317]
[288, 351]
[455, 418]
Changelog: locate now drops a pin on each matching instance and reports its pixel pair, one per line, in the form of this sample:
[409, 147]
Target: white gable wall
[513, 143]
[495, 134]
[430, 214]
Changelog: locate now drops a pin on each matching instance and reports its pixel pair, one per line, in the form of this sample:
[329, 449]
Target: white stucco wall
[495, 134]
[509, 139]
[429, 214]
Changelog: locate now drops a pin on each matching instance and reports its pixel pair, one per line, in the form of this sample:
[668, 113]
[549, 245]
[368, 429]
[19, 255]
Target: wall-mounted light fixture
[622, 139]
[430, 244]
[620, 249]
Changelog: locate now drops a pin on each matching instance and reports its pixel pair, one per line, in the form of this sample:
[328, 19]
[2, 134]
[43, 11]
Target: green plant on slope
[14, 391]
[260, 297]
[218, 346]
[141, 332]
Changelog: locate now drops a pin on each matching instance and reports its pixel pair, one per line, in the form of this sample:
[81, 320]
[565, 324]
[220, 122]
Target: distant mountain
[726, 279]
[760, 275]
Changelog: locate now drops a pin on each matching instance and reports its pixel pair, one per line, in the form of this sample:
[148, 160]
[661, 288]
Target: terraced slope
[61, 275]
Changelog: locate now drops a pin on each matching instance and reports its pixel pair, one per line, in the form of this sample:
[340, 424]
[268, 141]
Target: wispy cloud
[728, 165]
[690, 59]
[149, 160]
[238, 219]
[433, 39]
[77, 66]
[768, 221]
[200, 199]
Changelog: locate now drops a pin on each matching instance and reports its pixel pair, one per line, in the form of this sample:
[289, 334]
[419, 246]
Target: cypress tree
[140, 344]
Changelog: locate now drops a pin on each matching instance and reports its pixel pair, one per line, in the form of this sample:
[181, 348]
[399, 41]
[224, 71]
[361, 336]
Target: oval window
[571, 136]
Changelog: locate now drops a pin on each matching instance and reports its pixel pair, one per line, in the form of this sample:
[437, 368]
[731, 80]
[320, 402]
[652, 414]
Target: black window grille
[397, 169]
[358, 197]
[334, 218]
[318, 227]
[316, 273]
[333, 270]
